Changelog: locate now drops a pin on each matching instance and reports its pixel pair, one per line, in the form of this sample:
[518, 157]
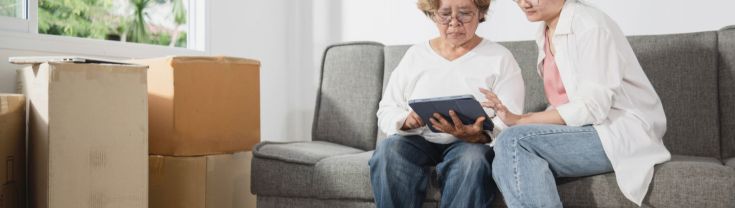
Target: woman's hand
[413, 121]
[501, 110]
[470, 133]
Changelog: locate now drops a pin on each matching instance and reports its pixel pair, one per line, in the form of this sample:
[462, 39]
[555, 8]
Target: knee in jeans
[476, 157]
[390, 143]
[387, 147]
[387, 142]
[509, 138]
[507, 145]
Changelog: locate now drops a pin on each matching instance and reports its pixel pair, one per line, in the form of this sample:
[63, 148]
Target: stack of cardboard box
[87, 134]
[204, 115]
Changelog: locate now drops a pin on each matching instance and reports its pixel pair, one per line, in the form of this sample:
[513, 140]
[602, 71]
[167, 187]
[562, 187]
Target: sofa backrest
[693, 73]
[349, 91]
[683, 69]
[726, 40]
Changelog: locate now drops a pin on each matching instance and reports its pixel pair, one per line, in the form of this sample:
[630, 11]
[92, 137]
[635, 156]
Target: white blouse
[607, 88]
[422, 73]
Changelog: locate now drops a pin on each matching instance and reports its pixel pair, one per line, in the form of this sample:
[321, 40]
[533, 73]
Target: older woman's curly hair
[430, 6]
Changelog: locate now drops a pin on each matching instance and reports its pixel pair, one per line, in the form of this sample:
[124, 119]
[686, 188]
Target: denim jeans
[530, 157]
[400, 168]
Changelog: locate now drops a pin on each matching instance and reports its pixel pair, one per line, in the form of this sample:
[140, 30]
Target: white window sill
[87, 47]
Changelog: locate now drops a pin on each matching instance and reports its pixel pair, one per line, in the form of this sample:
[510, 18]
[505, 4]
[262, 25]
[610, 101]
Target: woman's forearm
[544, 117]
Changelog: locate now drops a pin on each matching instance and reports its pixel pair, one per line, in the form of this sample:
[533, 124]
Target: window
[165, 23]
[12, 8]
[159, 22]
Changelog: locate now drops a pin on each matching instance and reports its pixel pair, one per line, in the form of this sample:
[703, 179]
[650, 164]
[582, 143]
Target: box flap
[62, 59]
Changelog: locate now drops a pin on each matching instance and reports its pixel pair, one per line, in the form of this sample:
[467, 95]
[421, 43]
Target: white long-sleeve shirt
[607, 88]
[422, 73]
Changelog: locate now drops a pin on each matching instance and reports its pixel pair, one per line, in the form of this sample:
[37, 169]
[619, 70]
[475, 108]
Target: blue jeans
[530, 157]
[400, 168]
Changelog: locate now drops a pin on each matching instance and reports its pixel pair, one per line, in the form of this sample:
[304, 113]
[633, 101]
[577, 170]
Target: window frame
[22, 34]
[23, 23]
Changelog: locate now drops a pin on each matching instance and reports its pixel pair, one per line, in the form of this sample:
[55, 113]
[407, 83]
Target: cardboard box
[12, 150]
[88, 135]
[202, 105]
[215, 181]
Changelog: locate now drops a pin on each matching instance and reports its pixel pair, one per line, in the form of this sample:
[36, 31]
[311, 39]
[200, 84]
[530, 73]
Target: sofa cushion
[726, 40]
[338, 177]
[344, 176]
[349, 91]
[685, 181]
[308, 153]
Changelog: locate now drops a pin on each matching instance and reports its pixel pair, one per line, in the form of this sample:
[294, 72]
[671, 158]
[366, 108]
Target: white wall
[259, 30]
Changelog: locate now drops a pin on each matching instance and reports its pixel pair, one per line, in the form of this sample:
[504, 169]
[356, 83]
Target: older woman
[455, 63]
[604, 115]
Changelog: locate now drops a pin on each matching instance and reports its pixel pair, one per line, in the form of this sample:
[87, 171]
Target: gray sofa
[693, 73]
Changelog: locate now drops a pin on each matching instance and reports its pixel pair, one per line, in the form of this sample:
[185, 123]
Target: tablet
[466, 107]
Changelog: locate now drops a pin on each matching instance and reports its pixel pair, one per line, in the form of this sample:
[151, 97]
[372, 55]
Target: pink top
[553, 86]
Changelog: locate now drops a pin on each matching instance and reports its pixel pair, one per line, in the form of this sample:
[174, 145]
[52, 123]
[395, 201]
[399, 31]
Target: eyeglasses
[445, 17]
[531, 2]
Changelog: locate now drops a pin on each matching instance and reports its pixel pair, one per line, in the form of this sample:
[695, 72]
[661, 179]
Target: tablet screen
[467, 108]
